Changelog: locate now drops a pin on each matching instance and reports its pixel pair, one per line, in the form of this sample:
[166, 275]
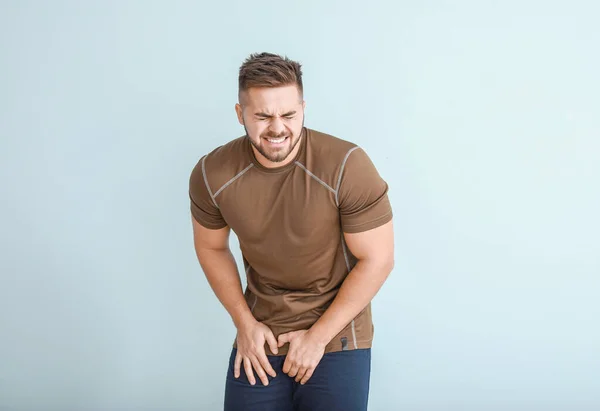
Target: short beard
[276, 158]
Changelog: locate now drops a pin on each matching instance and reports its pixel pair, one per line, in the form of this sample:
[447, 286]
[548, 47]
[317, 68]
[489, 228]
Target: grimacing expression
[273, 118]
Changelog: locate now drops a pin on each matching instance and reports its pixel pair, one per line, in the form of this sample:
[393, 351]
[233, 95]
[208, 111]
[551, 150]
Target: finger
[266, 365]
[249, 372]
[272, 342]
[307, 376]
[259, 370]
[286, 338]
[287, 365]
[282, 339]
[300, 374]
[294, 371]
[236, 365]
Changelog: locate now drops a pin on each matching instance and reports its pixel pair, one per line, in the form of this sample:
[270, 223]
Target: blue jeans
[340, 382]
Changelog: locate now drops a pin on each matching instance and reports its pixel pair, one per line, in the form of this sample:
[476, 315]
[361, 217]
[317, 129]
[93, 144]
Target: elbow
[384, 265]
[389, 265]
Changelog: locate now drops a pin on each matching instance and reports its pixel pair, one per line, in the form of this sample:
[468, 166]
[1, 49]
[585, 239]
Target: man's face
[273, 118]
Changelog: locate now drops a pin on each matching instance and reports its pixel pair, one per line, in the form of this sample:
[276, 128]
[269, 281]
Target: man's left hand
[303, 356]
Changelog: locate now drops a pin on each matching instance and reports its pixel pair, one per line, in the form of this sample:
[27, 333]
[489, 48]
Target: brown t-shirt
[290, 222]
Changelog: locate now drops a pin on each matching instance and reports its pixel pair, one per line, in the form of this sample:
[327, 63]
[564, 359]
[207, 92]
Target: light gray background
[482, 116]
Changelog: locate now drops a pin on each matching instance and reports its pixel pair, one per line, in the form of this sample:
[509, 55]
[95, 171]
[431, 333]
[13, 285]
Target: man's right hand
[251, 340]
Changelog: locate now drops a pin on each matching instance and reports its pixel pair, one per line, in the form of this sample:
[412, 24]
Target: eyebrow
[261, 114]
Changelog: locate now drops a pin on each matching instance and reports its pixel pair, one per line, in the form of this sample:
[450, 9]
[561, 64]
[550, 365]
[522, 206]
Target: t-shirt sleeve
[202, 205]
[362, 195]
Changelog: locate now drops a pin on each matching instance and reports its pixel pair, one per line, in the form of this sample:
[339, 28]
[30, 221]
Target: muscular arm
[219, 266]
[374, 250]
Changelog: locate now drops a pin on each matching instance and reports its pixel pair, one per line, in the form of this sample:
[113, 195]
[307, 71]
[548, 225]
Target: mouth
[276, 141]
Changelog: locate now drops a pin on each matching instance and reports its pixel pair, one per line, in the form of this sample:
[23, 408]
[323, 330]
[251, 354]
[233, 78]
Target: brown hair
[269, 70]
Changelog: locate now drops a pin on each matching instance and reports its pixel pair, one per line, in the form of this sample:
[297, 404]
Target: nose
[277, 127]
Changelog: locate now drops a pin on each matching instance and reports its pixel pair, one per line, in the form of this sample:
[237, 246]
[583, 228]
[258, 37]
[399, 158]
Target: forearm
[357, 290]
[221, 271]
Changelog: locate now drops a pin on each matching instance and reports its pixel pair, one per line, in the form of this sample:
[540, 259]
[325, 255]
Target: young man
[314, 225]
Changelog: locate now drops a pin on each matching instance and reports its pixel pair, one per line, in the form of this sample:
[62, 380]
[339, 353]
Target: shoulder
[329, 146]
[328, 154]
[218, 166]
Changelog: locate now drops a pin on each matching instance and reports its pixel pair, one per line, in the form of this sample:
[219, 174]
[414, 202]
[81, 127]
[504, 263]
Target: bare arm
[374, 250]
[219, 266]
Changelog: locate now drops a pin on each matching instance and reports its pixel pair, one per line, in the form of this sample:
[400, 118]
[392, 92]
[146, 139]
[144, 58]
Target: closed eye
[264, 116]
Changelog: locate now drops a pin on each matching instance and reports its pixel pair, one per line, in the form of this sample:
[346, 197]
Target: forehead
[272, 98]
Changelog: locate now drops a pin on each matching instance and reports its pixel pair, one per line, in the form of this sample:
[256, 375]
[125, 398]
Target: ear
[303, 104]
[240, 113]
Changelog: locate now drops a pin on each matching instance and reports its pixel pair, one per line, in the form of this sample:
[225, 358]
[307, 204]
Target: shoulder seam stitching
[315, 177]
[339, 183]
[206, 182]
[238, 175]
